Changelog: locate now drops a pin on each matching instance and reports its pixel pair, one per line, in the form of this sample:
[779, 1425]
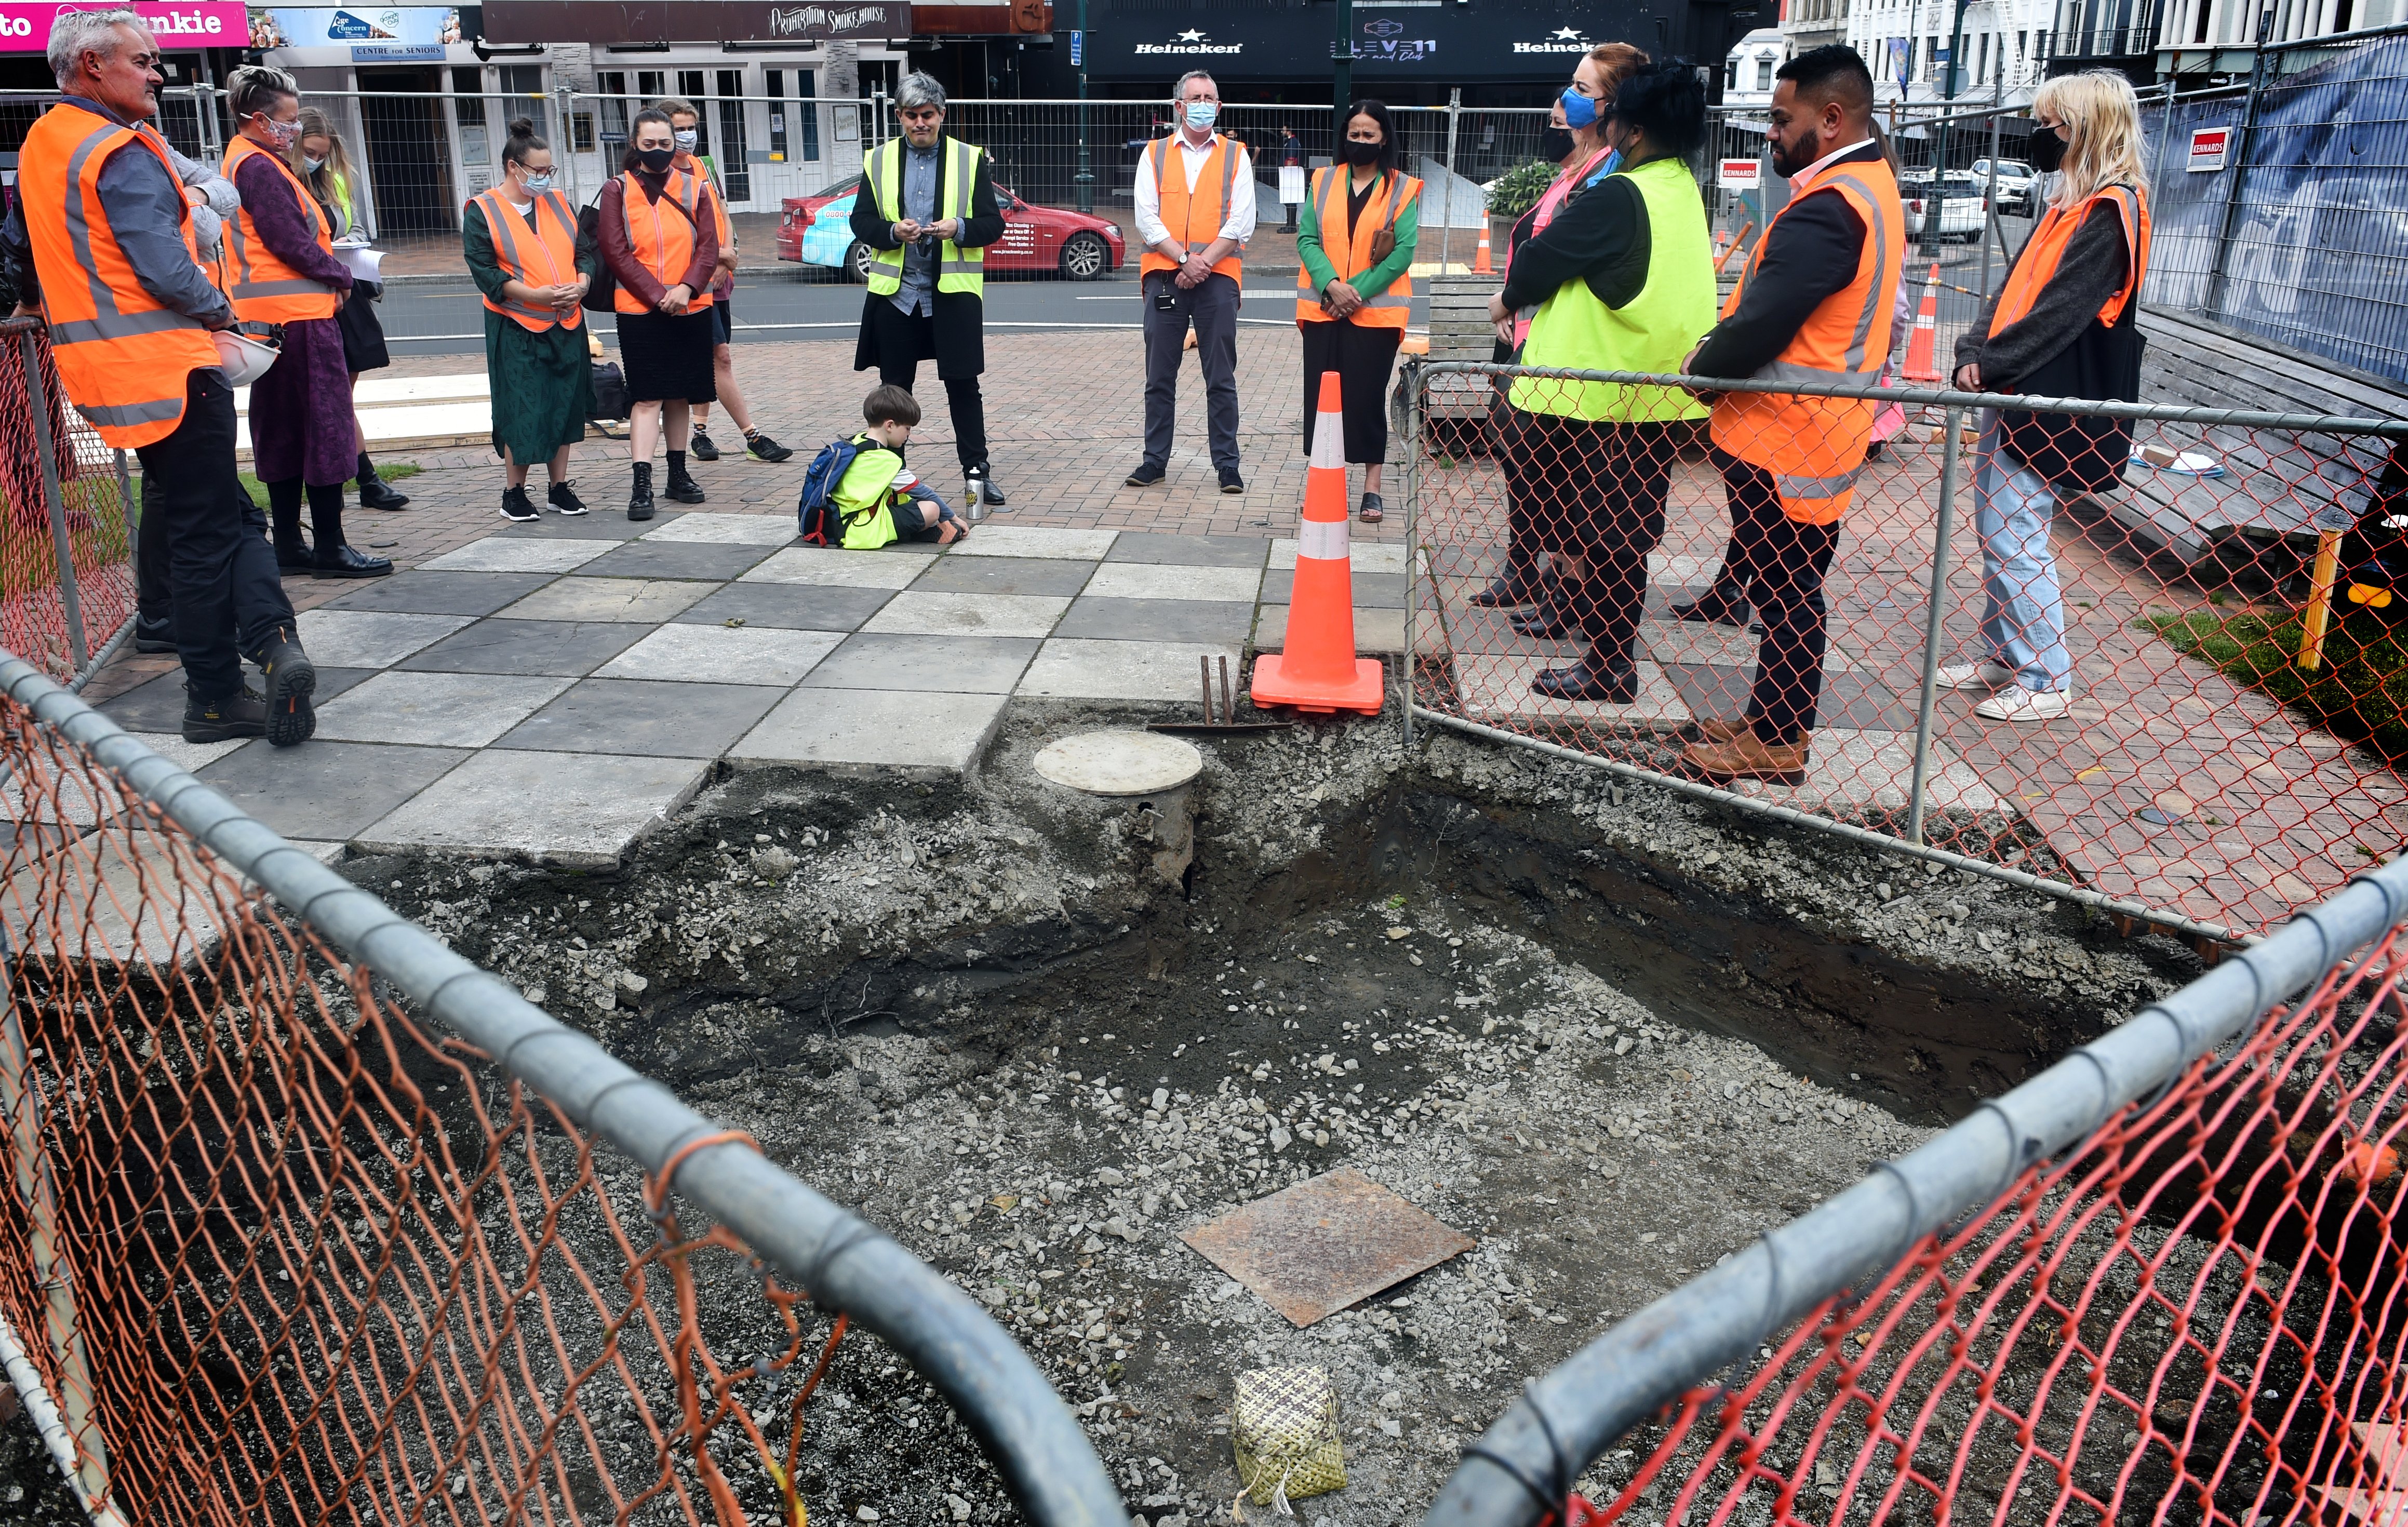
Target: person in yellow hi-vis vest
[877, 500]
[926, 212]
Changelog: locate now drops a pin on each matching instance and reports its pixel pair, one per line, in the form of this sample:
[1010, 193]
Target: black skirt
[666, 356]
[1363, 356]
[362, 333]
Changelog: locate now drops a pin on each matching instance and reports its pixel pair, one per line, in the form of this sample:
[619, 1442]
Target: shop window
[735, 166]
[522, 88]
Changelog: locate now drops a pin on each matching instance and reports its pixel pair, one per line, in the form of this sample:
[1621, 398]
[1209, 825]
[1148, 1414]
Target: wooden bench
[1457, 422]
[2273, 482]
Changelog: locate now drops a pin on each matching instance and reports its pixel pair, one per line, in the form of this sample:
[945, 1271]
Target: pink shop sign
[200, 23]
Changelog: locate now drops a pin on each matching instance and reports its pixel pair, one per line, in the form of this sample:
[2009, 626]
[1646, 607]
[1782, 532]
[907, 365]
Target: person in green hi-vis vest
[1622, 280]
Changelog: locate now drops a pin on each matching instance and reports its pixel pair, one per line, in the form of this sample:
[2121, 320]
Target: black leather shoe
[1617, 685]
[292, 679]
[297, 559]
[154, 638]
[683, 489]
[1506, 591]
[348, 561]
[989, 495]
[1711, 612]
[240, 715]
[377, 493]
[700, 447]
[1545, 620]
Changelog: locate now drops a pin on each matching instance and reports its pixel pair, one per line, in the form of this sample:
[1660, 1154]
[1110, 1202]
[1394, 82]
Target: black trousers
[1622, 535]
[155, 596]
[899, 347]
[1782, 562]
[220, 571]
[1363, 357]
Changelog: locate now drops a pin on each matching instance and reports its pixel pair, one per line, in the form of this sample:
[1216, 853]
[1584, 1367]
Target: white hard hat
[245, 359]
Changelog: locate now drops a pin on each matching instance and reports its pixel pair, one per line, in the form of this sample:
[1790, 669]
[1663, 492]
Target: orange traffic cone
[1921, 366]
[1319, 671]
[1480, 265]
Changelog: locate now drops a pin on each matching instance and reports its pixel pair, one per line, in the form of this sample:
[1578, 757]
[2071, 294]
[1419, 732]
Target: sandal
[1374, 511]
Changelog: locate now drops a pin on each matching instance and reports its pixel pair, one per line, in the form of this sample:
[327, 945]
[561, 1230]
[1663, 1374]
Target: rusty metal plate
[1314, 1248]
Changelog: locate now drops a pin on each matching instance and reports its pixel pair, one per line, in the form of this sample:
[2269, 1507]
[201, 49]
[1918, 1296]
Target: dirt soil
[1610, 1033]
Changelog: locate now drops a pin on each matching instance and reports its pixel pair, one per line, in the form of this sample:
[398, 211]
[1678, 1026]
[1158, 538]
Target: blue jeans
[2023, 616]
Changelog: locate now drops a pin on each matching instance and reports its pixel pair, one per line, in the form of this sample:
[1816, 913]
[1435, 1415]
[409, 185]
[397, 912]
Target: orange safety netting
[283, 1254]
[2195, 1315]
[2162, 691]
[99, 531]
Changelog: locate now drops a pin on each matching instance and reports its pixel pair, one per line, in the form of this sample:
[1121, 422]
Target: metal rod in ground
[1932, 621]
[1204, 672]
[31, 358]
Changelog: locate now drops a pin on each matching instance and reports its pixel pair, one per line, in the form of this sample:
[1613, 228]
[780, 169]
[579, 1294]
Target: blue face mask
[1579, 111]
[1202, 114]
[538, 184]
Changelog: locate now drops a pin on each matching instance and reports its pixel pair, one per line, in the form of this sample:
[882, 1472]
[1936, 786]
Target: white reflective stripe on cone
[1328, 443]
[1324, 540]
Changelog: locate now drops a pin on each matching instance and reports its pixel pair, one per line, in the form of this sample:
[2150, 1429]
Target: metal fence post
[566, 157]
[1991, 229]
[1410, 677]
[1932, 621]
[30, 357]
[1445, 243]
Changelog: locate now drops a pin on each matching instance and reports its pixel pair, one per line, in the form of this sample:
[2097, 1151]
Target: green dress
[542, 383]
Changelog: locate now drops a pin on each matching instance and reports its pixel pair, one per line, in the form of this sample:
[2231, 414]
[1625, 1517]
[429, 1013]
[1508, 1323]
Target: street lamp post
[1084, 180]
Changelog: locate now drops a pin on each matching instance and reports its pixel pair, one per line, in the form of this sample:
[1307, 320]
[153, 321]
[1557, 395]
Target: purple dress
[301, 420]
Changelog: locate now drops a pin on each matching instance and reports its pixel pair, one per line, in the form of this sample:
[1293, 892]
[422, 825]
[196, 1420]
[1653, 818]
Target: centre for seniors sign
[203, 24]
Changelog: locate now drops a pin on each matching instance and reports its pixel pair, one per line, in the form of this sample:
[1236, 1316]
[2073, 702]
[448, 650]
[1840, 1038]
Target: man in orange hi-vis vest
[1194, 211]
[100, 243]
[1813, 304]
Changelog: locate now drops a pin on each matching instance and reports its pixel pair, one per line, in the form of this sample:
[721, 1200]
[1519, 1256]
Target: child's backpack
[816, 514]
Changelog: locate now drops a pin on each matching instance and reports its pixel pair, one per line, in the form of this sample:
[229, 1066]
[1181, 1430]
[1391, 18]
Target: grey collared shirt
[920, 167]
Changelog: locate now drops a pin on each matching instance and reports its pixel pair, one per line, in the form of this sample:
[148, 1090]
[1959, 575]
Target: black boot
[681, 488]
[335, 557]
[292, 679]
[242, 714]
[292, 553]
[1717, 605]
[1549, 616]
[375, 492]
[1517, 585]
[639, 500]
[1612, 680]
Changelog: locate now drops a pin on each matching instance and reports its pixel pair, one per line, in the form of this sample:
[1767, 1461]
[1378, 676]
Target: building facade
[2006, 45]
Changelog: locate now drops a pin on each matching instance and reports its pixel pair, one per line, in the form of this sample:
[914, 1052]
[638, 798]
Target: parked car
[2015, 184]
[817, 230]
[1966, 209]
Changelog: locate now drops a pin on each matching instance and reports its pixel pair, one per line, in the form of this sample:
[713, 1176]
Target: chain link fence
[305, 1219]
[2159, 1282]
[1979, 677]
[67, 519]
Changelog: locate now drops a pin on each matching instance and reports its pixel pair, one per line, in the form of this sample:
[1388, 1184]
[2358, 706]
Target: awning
[605, 22]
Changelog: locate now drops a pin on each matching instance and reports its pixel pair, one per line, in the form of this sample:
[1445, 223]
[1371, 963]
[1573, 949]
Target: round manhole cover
[1120, 762]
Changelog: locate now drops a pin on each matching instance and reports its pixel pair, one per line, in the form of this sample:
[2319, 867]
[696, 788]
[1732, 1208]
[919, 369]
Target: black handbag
[610, 392]
[602, 292]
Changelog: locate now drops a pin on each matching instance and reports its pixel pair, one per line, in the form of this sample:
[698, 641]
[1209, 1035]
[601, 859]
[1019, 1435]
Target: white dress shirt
[1237, 218]
[1800, 179]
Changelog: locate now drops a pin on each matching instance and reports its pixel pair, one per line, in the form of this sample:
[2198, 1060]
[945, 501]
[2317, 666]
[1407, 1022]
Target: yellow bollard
[2332, 522]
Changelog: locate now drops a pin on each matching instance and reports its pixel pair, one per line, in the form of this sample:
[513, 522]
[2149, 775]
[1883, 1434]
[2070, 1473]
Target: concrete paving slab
[1729, 647]
[870, 731]
[938, 665]
[1190, 550]
[722, 654]
[325, 789]
[1157, 620]
[888, 569]
[1497, 688]
[1363, 556]
[1167, 581]
[1005, 575]
[191, 757]
[608, 522]
[912, 613]
[1852, 772]
[1073, 668]
[516, 554]
[122, 896]
[644, 719]
[1375, 631]
[787, 606]
[709, 561]
[570, 647]
[419, 591]
[645, 601]
[993, 540]
[1370, 590]
[727, 529]
[583, 812]
[436, 710]
[158, 707]
[370, 638]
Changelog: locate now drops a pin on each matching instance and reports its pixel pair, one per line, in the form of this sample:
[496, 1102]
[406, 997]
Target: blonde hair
[2102, 134]
[323, 181]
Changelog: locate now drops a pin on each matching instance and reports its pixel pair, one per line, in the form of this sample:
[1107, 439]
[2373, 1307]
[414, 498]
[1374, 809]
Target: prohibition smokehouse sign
[693, 20]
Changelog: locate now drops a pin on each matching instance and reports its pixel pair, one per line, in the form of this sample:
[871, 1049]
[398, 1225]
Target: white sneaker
[1984, 675]
[2018, 703]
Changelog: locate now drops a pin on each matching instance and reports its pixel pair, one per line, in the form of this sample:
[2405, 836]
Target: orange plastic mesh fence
[2122, 702]
[2195, 1315]
[100, 542]
[281, 1255]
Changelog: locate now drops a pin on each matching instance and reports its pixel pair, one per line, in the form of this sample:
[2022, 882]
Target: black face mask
[2047, 151]
[1363, 153]
[655, 159]
[1554, 142]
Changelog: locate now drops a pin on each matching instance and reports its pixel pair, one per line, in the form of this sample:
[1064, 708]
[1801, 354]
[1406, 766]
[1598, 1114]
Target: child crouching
[881, 502]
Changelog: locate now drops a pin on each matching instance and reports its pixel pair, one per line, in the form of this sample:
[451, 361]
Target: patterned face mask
[283, 135]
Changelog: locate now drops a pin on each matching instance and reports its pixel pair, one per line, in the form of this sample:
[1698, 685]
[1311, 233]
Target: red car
[816, 230]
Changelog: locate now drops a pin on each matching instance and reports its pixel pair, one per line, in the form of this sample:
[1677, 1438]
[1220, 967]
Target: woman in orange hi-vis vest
[1354, 284]
[281, 269]
[520, 239]
[2065, 324]
[661, 251]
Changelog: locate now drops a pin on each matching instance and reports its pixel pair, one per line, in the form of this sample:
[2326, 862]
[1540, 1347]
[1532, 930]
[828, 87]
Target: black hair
[1833, 72]
[1378, 112]
[522, 137]
[633, 158]
[1664, 101]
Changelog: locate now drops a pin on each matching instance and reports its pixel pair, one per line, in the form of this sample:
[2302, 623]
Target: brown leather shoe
[1718, 731]
[1746, 757]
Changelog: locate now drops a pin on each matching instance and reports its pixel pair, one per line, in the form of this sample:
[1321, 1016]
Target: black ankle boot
[1715, 607]
[375, 492]
[1511, 587]
[1613, 681]
[681, 488]
[639, 500]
